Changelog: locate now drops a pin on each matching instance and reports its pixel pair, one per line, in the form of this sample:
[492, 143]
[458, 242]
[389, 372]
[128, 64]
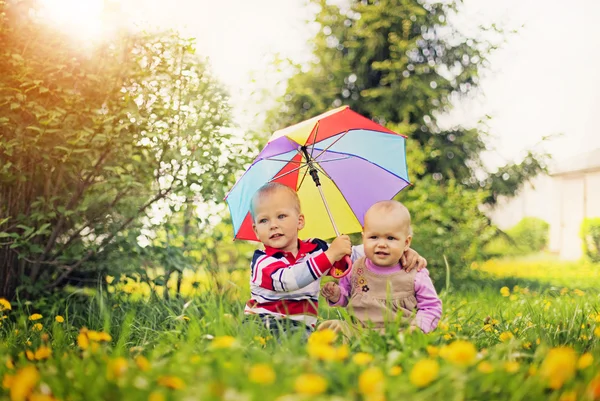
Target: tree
[90, 142]
[402, 63]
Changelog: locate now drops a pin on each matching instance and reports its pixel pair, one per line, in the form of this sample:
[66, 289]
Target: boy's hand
[331, 291]
[411, 259]
[340, 247]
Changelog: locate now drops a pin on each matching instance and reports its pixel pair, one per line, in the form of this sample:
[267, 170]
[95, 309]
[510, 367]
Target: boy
[378, 289]
[285, 277]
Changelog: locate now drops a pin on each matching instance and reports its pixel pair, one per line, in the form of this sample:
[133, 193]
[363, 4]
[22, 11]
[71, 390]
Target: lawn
[512, 330]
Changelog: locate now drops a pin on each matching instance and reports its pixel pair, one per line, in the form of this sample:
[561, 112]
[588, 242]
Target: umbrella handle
[343, 273]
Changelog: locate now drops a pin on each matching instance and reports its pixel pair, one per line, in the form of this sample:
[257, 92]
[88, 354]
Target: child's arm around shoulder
[429, 305]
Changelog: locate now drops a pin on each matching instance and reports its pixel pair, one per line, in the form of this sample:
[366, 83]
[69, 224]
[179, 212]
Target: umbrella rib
[283, 161]
[335, 160]
[289, 172]
[340, 191]
[303, 177]
[314, 140]
[327, 148]
[370, 162]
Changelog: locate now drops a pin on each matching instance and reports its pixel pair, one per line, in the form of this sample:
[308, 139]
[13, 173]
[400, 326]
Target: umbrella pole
[315, 176]
[337, 232]
[312, 170]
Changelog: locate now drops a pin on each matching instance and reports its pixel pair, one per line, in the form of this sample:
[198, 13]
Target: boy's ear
[408, 242]
[254, 229]
[300, 221]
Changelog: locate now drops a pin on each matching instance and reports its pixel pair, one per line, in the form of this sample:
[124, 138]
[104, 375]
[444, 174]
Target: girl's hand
[331, 291]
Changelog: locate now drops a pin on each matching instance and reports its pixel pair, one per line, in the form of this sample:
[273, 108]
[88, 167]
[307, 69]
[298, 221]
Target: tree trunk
[9, 273]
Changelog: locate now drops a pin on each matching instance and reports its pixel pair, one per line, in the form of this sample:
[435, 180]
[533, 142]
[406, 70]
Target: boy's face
[385, 237]
[277, 221]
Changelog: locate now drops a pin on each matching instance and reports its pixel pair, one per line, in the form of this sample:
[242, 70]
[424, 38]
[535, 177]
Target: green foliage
[530, 235]
[92, 141]
[590, 234]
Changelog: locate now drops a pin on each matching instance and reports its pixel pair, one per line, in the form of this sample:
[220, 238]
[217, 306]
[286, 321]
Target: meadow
[511, 330]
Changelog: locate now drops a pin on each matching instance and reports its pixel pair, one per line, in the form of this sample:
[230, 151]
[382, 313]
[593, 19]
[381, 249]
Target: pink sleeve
[345, 287]
[429, 305]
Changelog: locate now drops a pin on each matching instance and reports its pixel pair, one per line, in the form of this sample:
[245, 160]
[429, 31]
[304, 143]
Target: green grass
[188, 340]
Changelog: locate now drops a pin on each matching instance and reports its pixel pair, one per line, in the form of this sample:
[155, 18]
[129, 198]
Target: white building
[564, 198]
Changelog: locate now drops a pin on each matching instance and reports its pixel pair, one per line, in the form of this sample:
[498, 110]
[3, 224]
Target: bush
[590, 234]
[529, 235]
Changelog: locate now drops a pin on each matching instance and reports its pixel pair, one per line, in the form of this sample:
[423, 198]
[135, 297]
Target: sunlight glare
[81, 19]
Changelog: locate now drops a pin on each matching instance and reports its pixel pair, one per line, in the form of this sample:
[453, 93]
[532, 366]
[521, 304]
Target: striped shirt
[285, 286]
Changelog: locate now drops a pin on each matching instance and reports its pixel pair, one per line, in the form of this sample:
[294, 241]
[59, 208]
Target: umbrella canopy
[357, 161]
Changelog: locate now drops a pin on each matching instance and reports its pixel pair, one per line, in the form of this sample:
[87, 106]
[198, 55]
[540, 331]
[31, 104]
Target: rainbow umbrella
[340, 163]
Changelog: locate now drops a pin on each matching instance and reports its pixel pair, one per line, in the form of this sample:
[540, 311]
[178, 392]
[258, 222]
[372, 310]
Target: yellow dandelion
[585, 361]
[23, 383]
[568, 396]
[59, 319]
[223, 342]
[559, 366]
[43, 352]
[362, 358]
[324, 352]
[513, 297]
[342, 352]
[505, 291]
[597, 331]
[4, 305]
[371, 381]
[116, 368]
[30, 355]
[506, 336]
[433, 351]
[9, 364]
[35, 316]
[488, 327]
[527, 345]
[7, 381]
[460, 352]
[578, 292]
[261, 340]
[156, 396]
[485, 367]
[262, 373]
[424, 372]
[325, 336]
[82, 341]
[593, 390]
[142, 363]
[98, 336]
[511, 366]
[310, 384]
[37, 327]
[172, 382]
[395, 371]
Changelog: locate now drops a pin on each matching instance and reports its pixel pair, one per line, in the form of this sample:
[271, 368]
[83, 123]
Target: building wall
[561, 200]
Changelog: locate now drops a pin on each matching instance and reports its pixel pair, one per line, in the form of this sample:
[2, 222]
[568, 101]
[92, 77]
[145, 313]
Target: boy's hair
[392, 206]
[269, 189]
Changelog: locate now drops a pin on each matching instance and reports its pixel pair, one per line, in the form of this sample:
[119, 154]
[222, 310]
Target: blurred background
[123, 125]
